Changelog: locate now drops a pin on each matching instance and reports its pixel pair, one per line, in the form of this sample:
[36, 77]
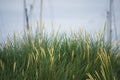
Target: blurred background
[91, 15]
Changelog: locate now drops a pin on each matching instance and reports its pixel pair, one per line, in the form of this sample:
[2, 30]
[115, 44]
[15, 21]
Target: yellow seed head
[33, 56]
[73, 77]
[97, 35]
[117, 42]
[33, 46]
[87, 38]
[43, 52]
[51, 51]
[36, 55]
[39, 41]
[72, 55]
[28, 61]
[51, 60]
[2, 65]
[75, 35]
[14, 67]
[88, 51]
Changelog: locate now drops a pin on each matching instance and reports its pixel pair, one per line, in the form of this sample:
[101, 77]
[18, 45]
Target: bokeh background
[90, 15]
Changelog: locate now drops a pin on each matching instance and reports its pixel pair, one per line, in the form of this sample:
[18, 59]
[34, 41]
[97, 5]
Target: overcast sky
[87, 14]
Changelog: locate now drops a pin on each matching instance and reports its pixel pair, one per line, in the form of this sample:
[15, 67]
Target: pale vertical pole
[41, 14]
[26, 15]
[110, 22]
[108, 25]
[114, 19]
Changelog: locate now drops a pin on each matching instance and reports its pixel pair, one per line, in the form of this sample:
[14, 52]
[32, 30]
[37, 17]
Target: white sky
[88, 14]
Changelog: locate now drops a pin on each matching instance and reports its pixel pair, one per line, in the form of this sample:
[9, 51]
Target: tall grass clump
[77, 56]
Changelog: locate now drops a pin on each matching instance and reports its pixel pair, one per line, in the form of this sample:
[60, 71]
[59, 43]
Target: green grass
[77, 56]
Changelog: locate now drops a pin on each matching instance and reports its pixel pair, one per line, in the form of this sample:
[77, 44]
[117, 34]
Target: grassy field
[77, 56]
